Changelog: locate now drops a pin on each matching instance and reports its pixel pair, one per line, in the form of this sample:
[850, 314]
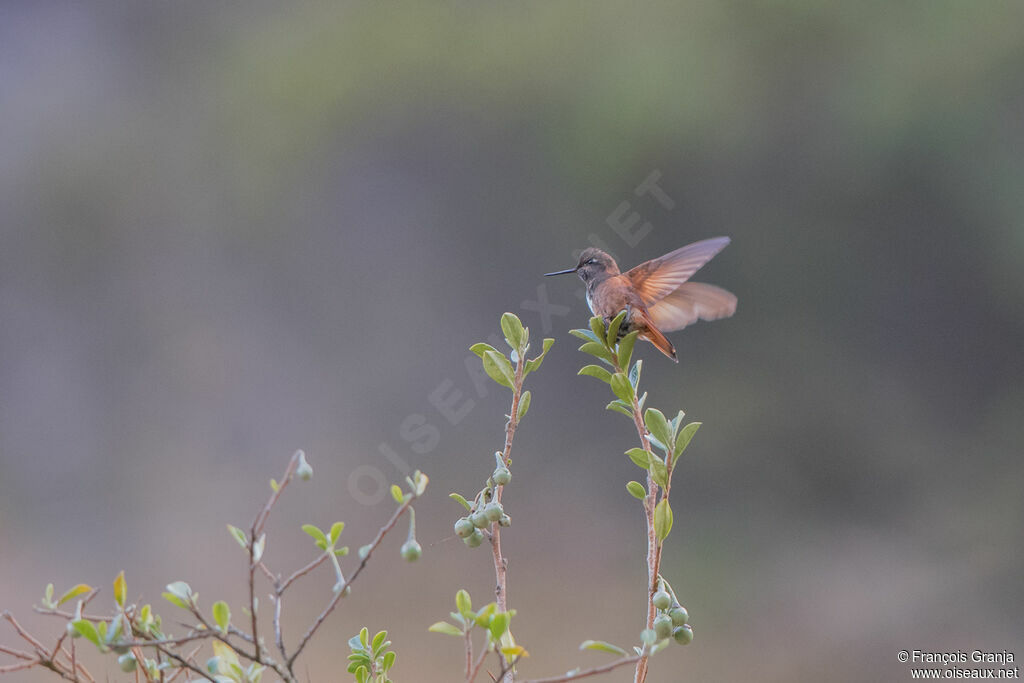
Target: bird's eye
[592, 261]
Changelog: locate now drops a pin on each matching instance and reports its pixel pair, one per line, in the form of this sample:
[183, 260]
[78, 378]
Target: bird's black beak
[563, 272]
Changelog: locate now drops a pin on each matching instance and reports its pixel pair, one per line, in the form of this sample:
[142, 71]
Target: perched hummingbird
[656, 295]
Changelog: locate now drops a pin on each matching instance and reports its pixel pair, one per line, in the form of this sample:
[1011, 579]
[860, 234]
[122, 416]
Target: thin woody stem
[604, 668]
[388, 526]
[500, 561]
[653, 544]
[471, 675]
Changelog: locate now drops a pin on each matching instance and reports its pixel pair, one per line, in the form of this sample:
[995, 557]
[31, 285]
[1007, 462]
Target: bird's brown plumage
[656, 294]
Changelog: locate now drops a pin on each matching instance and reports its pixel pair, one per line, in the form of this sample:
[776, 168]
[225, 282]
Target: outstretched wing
[690, 302]
[659, 277]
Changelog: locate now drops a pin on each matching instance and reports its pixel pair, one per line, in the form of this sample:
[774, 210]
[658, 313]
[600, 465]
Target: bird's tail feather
[660, 341]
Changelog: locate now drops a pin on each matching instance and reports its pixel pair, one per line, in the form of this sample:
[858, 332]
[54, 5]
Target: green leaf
[482, 348]
[120, 589]
[597, 326]
[658, 426]
[659, 473]
[221, 615]
[512, 328]
[336, 530]
[175, 600]
[74, 593]
[662, 519]
[379, 638]
[364, 638]
[498, 625]
[613, 328]
[396, 493]
[483, 617]
[463, 603]
[534, 363]
[596, 371]
[654, 441]
[513, 652]
[622, 388]
[419, 483]
[625, 349]
[389, 661]
[274, 486]
[458, 498]
[181, 590]
[683, 440]
[598, 350]
[498, 368]
[676, 421]
[639, 457]
[240, 536]
[585, 335]
[524, 405]
[602, 646]
[88, 631]
[634, 374]
[636, 489]
[620, 406]
[314, 532]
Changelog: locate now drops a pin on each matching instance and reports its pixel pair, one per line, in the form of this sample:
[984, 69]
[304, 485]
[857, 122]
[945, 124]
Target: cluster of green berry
[485, 509]
[672, 617]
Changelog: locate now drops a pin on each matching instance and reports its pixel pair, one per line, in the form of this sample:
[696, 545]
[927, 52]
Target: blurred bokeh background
[229, 231]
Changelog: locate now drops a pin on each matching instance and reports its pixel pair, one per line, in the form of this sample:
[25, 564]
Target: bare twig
[254, 535]
[468, 636]
[605, 668]
[341, 590]
[42, 657]
[299, 573]
[471, 675]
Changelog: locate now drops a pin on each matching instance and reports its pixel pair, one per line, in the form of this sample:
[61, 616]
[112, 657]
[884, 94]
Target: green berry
[683, 634]
[501, 476]
[679, 615]
[411, 550]
[127, 662]
[505, 520]
[464, 527]
[493, 512]
[663, 626]
[479, 519]
[474, 539]
[662, 600]
[213, 665]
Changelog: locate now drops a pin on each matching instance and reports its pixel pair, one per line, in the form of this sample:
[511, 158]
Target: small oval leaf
[74, 593]
[596, 371]
[637, 490]
[602, 646]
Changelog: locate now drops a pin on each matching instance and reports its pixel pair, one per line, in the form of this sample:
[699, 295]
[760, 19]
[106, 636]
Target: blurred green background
[228, 231]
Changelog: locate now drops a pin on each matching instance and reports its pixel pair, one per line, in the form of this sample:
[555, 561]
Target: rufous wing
[690, 302]
[660, 277]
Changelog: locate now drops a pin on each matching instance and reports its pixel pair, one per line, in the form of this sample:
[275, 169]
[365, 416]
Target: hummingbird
[656, 295]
